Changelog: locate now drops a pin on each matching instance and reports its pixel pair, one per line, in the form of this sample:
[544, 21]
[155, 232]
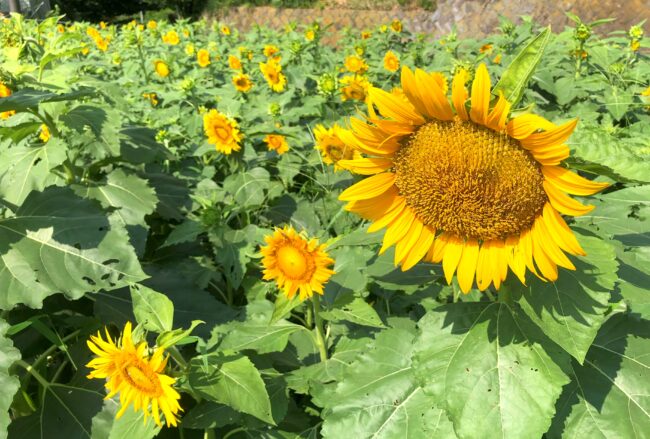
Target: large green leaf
[9, 383]
[609, 396]
[26, 99]
[234, 381]
[58, 242]
[378, 396]
[518, 73]
[131, 425]
[260, 337]
[571, 309]
[490, 368]
[27, 168]
[153, 310]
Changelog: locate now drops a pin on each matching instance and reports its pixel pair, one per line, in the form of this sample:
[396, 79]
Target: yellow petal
[374, 208]
[404, 246]
[437, 251]
[563, 203]
[410, 89]
[467, 265]
[389, 216]
[480, 95]
[483, 274]
[369, 187]
[398, 229]
[366, 166]
[551, 137]
[385, 149]
[453, 252]
[393, 107]
[549, 246]
[420, 249]
[570, 182]
[543, 262]
[459, 93]
[432, 96]
[497, 117]
[561, 232]
[516, 259]
[523, 126]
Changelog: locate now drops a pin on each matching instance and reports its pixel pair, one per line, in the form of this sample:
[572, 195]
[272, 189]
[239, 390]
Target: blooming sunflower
[481, 193]
[332, 148]
[354, 87]
[396, 25]
[171, 38]
[296, 263]
[222, 132]
[5, 92]
[203, 58]
[486, 48]
[277, 143]
[391, 62]
[242, 82]
[225, 30]
[355, 64]
[270, 50]
[161, 68]
[44, 135]
[137, 376]
[365, 35]
[310, 35]
[234, 62]
[272, 71]
[152, 24]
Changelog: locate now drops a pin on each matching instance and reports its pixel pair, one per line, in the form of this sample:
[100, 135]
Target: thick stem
[320, 335]
[177, 356]
[29, 368]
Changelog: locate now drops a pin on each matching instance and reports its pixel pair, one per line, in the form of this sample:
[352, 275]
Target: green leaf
[9, 383]
[233, 251]
[170, 338]
[571, 309]
[513, 81]
[618, 102]
[283, 305]
[58, 242]
[26, 99]
[491, 370]
[28, 168]
[185, 232]
[138, 145]
[608, 396]
[247, 188]
[131, 425]
[152, 310]
[634, 278]
[209, 414]
[378, 397]
[20, 131]
[355, 310]
[233, 381]
[128, 193]
[260, 337]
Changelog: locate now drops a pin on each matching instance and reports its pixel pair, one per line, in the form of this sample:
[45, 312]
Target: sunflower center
[336, 152]
[293, 262]
[142, 378]
[469, 180]
[222, 132]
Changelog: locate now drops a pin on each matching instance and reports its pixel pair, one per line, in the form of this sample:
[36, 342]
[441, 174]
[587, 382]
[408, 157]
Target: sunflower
[225, 30]
[242, 82]
[189, 49]
[486, 48]
[497, 59]
[310, 35]
[365, 35]
[152, 24]
[234, 62]
[171, 38]
[137, 376]
[270, 50]
[44, 135]
[161, 68]
[277, 143]
[152, 97]
[396, 25]
[222, 132]
[5, 92]
[295, 263]
[354, 87]
[102, 43]
[355, 64]
[391, 62]
[272, 71]
[203, 58]
[481, 193]
[332, 148]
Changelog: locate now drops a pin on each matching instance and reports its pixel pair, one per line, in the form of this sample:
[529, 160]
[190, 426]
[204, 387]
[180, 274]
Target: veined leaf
[9, 383]
[153, 310]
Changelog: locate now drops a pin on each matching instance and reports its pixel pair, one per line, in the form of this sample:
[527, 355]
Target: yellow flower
[171, 38]
[310, 35]
[225, 30]
[277, 143]
[102, 24]
[486, 48]
[270, 50]
[354, 87]
[84, 50]
[383, 28]
[151, 25]
[295, 263]
[161, 67]
[102, 43]
[391, 62]
[5, 92]
[44, 135]
[234, 62]
[494, 191]
[222, 132]
[635, 45]
[242, 82]
[272, 71]
[60, 28]
[355, 64]
[497, 59]
[186, 33]
[189, 49]
[645, 92]
[152, 97]
[203, 58]
[136, 375]
[93, 33]
[441, 80]
[365, 35]
[332, 148]
[396, 25]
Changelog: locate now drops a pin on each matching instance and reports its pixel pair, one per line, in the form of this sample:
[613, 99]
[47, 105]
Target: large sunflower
[481, 193]
[136, 376]
[222, 132]
[296, 263]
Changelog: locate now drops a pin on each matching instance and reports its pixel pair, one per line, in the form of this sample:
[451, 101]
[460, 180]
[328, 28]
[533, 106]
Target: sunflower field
[207, 233]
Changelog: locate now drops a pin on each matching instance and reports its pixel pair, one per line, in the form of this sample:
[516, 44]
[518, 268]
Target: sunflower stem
[320, 338]
[29, 368]
[177, 356]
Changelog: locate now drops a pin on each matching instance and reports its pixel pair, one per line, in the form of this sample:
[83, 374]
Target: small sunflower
[190, 49]
[481, 193]
[171, 38]
[152, 25]
[355, 64]
[152, 98]
[137, 376]
[5, 92]
[225, 30]
[486, 48]
[270, 50]
[222, 132]
[277, 143]
[391, 61]
[242, 82]
[234, 62]
[396, 25]
[296, 263]
[161, 68]
[310, 35]
[44, 135]
[102, 43]
[203, 58]
[354, 87]
[272, 71]
[365, 35]
[331, 147]
[497, 59]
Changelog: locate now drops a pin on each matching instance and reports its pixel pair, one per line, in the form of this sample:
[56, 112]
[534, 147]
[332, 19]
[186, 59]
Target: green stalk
[320, 336]
[177, 356]
[29, 368]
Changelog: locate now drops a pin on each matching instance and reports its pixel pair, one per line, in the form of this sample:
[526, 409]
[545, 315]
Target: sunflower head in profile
[222, 132]
[469, 187]
[136, 375]
[354, 87]
[332, 148]
[277, 143]
[296, 263]
[242, 82]
[272, 71]
[203, 58]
